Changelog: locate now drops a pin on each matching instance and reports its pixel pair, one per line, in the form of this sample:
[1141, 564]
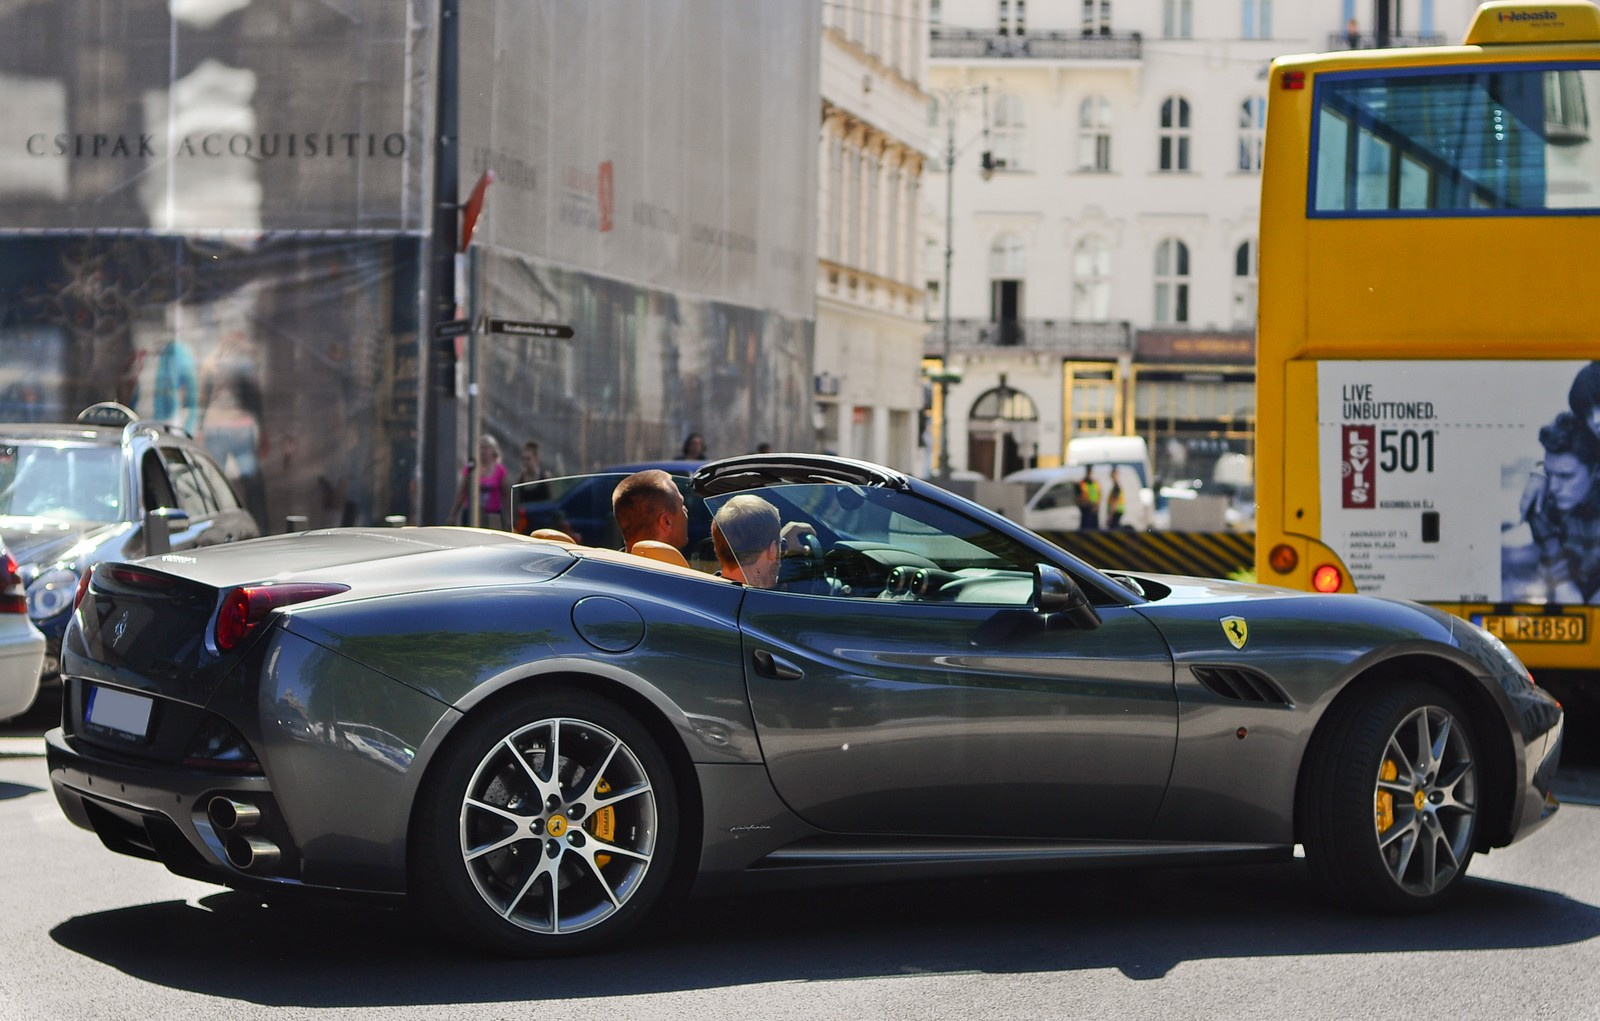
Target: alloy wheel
[558, 825]
[1426, 800]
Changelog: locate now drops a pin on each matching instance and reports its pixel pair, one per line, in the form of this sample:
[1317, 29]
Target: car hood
[1358, 621]
[48, 540]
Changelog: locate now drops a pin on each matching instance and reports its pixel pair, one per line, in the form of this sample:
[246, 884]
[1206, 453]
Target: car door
[961, 713]
[194, 497]
[233, 520]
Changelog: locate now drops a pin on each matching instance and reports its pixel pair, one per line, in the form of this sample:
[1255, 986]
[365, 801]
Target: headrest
[655, 549]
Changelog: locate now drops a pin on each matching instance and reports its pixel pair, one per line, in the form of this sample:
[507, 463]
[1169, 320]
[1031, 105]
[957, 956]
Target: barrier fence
[1207, 554]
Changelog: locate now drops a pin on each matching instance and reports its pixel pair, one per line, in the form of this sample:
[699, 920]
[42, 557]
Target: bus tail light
[1327, 578]
[1293, 80]
[1283, 558]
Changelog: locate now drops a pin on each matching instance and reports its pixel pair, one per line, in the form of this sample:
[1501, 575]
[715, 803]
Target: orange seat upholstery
[554, 534]
[657, 550]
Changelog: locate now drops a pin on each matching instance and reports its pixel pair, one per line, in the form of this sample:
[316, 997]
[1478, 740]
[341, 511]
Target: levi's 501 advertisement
[1471, 481]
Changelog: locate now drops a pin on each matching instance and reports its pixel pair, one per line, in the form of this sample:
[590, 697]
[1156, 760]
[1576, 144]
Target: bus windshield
[1456, 142]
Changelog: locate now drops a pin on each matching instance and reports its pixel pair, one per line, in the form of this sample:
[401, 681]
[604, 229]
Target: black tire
[1390, 799]
[511, 857]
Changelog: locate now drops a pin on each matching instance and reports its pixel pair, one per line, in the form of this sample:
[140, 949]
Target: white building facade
[1103, 275]
[868, 393]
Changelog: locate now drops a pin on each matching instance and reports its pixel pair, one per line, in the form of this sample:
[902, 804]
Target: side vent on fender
[1239, 685]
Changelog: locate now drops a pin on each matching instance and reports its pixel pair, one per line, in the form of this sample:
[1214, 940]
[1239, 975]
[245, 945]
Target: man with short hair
[649, 505]
[745, 536]
[1565, 521]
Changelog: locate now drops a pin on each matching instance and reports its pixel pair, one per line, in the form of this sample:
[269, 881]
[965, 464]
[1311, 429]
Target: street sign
[522, 328]
[451, 328]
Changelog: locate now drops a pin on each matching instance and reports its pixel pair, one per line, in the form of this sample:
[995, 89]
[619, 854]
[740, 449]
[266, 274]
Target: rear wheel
[1389, 808]
[548, 827]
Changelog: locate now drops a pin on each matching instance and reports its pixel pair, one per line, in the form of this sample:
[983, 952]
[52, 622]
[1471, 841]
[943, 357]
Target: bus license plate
[1533, 627]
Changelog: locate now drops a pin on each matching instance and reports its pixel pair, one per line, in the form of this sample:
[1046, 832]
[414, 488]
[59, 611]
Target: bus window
[1455, 142]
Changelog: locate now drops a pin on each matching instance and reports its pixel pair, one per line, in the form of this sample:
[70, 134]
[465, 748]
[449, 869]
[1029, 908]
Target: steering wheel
[811, 550]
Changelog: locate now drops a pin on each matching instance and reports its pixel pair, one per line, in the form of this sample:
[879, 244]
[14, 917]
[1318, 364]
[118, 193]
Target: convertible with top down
[537, 742]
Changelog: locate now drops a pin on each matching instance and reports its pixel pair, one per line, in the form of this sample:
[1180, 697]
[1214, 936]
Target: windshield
[62, 481]
[865, 542]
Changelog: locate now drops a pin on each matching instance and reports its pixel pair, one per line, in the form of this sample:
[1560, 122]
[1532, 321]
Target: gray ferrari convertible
[856, 676]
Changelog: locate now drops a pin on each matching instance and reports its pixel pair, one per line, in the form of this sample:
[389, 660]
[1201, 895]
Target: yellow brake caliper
[1386, 773]
[603, 824]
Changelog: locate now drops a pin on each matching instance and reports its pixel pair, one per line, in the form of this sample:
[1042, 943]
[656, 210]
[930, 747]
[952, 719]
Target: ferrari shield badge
[1237, 630]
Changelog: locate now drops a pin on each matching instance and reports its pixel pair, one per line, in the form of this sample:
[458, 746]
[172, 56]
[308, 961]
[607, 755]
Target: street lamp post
[949, 98]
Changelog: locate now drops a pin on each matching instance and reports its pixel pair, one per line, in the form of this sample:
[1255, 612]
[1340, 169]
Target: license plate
[1533, 627]
[118, 713]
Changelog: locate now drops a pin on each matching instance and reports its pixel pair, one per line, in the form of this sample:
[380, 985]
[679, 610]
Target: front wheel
[548, 827]
[1389, 808]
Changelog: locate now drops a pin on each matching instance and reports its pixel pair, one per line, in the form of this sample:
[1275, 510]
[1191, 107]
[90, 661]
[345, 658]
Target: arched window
[1245, 268]
[1091, 280]
[1175, 133]
[1004, 404]
[1172, 282]
[1002, 431]
[1094, 134]
[1007, 132]
[1252, 130]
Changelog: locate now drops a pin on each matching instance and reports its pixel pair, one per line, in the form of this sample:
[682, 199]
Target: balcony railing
[972, 43]
[1087, 340]
[1341, 41]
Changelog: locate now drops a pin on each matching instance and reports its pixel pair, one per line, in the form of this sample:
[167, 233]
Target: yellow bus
[1428, 348]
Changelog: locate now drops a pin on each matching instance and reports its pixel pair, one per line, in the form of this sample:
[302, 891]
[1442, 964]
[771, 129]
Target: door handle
[768, 665]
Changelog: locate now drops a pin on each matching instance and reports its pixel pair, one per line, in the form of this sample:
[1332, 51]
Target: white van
[1129, 455]
[1050, 496]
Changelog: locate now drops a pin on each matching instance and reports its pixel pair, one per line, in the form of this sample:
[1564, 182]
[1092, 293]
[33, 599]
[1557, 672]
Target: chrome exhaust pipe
[229, 815]
[252, 854]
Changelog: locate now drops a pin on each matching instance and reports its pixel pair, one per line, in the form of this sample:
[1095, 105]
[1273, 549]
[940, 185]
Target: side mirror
[159, 524]
[1055, 591]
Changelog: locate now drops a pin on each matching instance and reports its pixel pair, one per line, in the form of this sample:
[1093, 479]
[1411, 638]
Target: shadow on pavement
[17, 790]
[1142, 923]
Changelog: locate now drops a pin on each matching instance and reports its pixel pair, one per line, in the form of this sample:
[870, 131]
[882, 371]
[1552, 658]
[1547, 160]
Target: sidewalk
[21, 747]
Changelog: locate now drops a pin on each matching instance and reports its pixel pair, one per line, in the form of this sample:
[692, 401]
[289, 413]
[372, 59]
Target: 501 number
[1407, 450]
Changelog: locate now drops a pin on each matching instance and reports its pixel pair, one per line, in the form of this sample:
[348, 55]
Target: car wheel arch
[1488, 717]
[667, 734]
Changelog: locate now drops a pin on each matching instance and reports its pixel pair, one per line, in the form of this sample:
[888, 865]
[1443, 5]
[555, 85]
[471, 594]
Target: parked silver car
[105, 487]
[21, 644]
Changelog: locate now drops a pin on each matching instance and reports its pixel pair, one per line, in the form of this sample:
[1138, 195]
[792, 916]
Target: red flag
[469, 215]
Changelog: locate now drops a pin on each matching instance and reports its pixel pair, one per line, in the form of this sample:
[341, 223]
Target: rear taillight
[245, 607]
[83, 587]
[13, 594]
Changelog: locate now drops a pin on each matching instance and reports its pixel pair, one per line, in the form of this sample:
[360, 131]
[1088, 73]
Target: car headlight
[51, 592]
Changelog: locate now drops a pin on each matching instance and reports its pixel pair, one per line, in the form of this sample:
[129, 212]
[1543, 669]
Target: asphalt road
[87, 934]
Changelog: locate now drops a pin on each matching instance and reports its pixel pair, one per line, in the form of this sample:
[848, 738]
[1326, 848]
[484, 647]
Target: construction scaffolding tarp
[222, 211]
[654, 187]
